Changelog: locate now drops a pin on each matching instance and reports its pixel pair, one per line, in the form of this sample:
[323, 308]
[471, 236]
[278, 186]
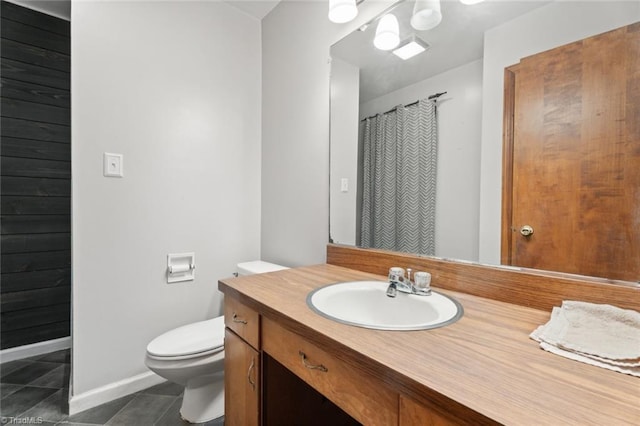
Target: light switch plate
[113, 164]
[344, 185]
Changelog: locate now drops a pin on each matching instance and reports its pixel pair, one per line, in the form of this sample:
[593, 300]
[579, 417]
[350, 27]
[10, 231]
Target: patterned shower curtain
[399, 179]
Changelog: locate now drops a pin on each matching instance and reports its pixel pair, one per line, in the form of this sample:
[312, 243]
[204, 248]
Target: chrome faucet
[392, 290]
[398, 283]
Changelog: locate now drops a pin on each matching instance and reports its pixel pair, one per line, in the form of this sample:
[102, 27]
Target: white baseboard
[34, 349]
[112, 391]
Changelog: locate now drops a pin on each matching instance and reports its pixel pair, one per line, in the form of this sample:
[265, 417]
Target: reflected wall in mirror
[467, 57]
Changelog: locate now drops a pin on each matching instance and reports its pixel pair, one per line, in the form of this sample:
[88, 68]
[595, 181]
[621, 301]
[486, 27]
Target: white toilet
[193, 356]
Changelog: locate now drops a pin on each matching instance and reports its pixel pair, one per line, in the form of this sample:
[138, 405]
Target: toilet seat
[191, 340]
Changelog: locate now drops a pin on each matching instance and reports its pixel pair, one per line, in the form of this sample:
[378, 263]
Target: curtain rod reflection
[432, 97]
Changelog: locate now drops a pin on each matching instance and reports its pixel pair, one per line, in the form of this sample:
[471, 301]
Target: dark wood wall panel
[35, 261]
[27, 148]
[21, 282]
[10, 339]
[27, 34]
[31, 167]
[35, 298]
[38, 20]
[27, 243]
[35, 205]
[22, 71]
[34, 224]
[12, 185]
[33, 130]
[35, 175]
[20, 320]
[35, 55]
[14, 108]
[15, 89]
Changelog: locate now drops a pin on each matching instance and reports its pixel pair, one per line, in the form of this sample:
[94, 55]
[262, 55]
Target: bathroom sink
[366, 304]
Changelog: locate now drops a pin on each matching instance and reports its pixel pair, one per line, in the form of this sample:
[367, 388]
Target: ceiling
[58, 8]
[256, 8]
[62, 8]
[458, 40]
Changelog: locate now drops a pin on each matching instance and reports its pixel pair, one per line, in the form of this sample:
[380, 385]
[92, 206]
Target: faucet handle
[423, 283]
[396, 274]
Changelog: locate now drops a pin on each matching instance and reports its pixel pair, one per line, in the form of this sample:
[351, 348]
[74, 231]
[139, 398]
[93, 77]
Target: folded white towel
[601, 335]
[633, 371]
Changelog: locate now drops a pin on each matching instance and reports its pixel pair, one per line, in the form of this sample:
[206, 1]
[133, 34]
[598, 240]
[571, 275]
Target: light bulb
[387, 33]
[341, 11]
[426, 15]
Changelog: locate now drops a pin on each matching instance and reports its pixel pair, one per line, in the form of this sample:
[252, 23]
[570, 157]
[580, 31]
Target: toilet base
[203, 400]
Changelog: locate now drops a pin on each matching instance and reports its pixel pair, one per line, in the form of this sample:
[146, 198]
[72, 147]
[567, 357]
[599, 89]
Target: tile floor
[35, 390]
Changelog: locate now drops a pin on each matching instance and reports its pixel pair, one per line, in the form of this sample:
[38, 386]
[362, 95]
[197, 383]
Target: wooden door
[241, 382]
[572, 158]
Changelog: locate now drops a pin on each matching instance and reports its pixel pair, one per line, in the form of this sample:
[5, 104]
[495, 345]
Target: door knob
[526, 230]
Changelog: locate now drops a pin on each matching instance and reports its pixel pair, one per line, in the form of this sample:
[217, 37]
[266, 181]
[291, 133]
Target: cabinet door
[241, 381]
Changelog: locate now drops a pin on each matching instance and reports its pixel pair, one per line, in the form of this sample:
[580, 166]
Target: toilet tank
[257, 267]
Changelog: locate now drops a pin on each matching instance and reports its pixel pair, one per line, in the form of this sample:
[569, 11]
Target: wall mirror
[466, 56]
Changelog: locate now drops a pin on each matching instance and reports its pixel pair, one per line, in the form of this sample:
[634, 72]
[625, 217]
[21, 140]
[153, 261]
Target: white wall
[345, 88]
[176, 88]
[296, 37]
[550, 26]
[459, 131]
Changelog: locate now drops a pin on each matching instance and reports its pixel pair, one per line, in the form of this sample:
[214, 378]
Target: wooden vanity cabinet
[242, 365]
[475, 374]
[250, 338]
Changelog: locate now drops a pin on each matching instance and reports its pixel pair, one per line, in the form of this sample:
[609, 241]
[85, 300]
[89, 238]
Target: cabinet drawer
[244, 321]
[359, 394]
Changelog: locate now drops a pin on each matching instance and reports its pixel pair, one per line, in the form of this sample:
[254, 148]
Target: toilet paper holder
[181, 267]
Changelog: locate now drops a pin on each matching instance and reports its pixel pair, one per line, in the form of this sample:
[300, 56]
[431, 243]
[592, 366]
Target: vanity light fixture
[468, 2]
[411, 47]
[341, 11]
[387, 33]
[426, 15]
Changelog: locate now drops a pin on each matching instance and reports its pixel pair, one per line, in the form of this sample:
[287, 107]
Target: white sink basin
[366, 304]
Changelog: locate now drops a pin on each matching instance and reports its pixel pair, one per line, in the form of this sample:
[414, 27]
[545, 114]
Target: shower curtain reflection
[399, 179]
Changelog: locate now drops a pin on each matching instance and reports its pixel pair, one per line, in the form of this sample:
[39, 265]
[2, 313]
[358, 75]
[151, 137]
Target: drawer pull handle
[251, 382]
[236, 319]
[320, 367]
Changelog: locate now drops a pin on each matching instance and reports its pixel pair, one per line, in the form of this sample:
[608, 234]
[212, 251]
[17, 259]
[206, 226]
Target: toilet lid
[189, 339]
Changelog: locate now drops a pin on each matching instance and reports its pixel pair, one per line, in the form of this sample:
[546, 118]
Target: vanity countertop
[485, 361]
